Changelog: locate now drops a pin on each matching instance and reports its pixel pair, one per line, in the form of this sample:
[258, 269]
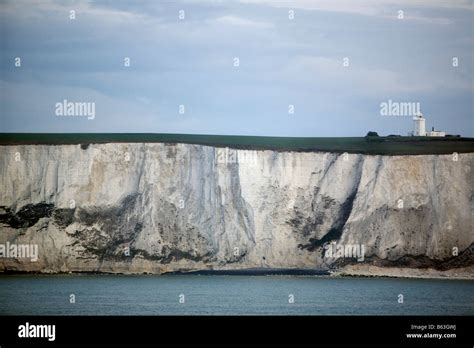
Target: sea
[194, 294]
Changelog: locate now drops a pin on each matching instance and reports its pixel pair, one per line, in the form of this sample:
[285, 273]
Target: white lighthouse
[419, 126]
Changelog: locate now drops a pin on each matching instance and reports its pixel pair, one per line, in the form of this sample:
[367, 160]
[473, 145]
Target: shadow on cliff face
[27, 216]
[63, 217]
[104, 231]
[107, 232]
[321, 219]
[325, 210]
[116, 227]
[464, 259]
[170, 254]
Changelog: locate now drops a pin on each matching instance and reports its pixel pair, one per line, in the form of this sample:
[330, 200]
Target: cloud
[381, 8]
[83, 10]
[366, 7]
[242, 22]
[329, 74]
[31, 107]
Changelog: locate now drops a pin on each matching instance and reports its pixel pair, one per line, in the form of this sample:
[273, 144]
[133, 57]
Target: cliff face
[165, 207]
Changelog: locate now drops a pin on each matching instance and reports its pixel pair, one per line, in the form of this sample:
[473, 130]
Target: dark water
[232, 295]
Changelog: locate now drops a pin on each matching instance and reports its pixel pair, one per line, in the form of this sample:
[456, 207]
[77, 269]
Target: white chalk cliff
[191, 207]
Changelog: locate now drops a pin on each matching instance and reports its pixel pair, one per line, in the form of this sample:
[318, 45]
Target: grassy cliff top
[394, 145]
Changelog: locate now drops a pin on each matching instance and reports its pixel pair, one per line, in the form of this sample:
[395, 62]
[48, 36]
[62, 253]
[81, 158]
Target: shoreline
[368, 271]
[462, 273]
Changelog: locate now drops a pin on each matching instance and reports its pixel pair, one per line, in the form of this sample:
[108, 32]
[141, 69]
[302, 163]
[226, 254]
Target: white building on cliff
[419, 128]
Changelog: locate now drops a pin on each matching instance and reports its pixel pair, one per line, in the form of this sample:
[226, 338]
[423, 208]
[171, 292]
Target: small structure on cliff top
[419, 128]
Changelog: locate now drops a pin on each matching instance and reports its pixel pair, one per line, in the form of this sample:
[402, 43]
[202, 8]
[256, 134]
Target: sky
[332, 62]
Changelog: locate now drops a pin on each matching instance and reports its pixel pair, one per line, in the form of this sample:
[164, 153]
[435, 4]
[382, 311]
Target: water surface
[231, 295]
